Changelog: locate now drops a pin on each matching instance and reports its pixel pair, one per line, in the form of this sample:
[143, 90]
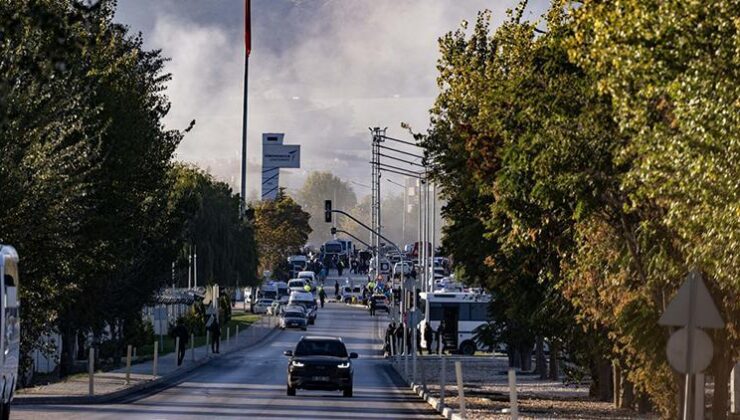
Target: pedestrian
[340, 267]
[372, 306]
[215, 336]
[419, 348]
[336, 289]
[399, 339]
[322, 295]
[181, 332]
[389, 335]
[441, 331]
[428, 337]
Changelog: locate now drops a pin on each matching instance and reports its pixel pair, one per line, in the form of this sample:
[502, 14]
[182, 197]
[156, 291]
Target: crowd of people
[396, 345]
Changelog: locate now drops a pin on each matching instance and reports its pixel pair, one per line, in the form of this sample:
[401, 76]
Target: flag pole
[248, 49]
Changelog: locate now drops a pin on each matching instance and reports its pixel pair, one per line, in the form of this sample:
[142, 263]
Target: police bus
[9, 326]
[462, 312]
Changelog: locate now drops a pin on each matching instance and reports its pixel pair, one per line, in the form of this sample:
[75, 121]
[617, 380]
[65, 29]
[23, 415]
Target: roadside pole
[735, 389]
[156, 357]
[208, 340]
[192, 347]
[460, 390]
[442, 381]
[513, 394]
[91, 371]
[177, 350]
[128, 364]
[414, 345]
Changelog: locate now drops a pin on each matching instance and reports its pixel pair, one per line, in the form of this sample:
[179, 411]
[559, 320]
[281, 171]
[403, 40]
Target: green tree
[670, 68]
[320, 186]
[48, 136]
[210, 224]
[282, 228]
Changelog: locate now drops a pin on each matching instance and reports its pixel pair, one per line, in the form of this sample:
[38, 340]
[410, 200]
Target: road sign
[701, 354]
[703, 312]
[281, 156]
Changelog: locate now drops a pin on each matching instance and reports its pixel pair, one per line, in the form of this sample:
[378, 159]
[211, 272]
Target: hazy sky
[321, 71]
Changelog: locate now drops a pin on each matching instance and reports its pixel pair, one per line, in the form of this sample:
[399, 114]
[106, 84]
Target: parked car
[320, 363]
[261, 306]
[293, 318]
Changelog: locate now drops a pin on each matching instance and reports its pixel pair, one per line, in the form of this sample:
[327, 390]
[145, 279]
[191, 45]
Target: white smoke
[322, 71]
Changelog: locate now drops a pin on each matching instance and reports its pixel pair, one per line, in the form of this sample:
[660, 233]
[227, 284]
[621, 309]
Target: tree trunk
[554, 366]
[627, 394]
[515, 357]
[117, 336]
[617, 384]
[526, 357]
[644, 405]
[67, 358]
[541, 362]
[605, 379]
[721, 368]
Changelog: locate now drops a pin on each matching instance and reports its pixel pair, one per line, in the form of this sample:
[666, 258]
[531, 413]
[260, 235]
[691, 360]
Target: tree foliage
[282, 228]
[88, 191]
[320, 186]
[592, 164]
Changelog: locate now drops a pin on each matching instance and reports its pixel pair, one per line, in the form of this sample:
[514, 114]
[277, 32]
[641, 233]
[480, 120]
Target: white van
[10, 326]
[309, 276]
[306, 300]
[297, 285]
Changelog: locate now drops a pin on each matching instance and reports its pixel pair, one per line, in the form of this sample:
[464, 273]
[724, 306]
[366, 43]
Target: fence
[159, 366]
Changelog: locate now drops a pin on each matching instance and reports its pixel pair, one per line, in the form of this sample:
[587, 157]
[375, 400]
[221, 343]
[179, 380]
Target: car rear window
[294, 314]
[320, 348]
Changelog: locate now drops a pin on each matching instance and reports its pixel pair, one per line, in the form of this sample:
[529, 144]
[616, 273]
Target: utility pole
[248, 49]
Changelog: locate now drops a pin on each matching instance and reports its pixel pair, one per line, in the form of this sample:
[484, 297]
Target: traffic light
[327, 211]
[333, 230]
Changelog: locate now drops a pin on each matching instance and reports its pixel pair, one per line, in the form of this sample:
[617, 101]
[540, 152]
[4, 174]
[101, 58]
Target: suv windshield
[320, 348]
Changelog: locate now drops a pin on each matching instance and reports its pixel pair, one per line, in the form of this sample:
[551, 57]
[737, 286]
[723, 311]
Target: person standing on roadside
[336, 289]
[372, 306]
[181, 332]
[429, 337]
[399, 338]
[441, 330]
[215, 336]
[322, 295]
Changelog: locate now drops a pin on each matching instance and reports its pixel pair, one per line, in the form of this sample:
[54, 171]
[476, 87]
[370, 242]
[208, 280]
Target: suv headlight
[297, 364]
[343, 365]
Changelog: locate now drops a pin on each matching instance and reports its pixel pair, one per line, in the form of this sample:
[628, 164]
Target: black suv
[320, 363]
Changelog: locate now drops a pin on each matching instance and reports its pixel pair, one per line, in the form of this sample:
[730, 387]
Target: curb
[162, 382]
[434, 402]
[445, 411]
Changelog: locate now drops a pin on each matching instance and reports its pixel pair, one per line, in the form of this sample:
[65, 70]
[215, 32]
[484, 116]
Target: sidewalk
[112, 385]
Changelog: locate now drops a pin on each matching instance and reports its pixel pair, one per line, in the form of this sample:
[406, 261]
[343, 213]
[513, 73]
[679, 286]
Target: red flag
[247, 27]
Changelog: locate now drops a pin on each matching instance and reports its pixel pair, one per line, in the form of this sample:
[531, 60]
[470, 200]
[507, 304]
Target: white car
[309, 276]
[261, 306]
[297, 285]
[406, 265]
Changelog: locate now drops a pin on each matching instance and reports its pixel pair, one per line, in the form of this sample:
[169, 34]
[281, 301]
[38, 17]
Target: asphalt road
[251, 384]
